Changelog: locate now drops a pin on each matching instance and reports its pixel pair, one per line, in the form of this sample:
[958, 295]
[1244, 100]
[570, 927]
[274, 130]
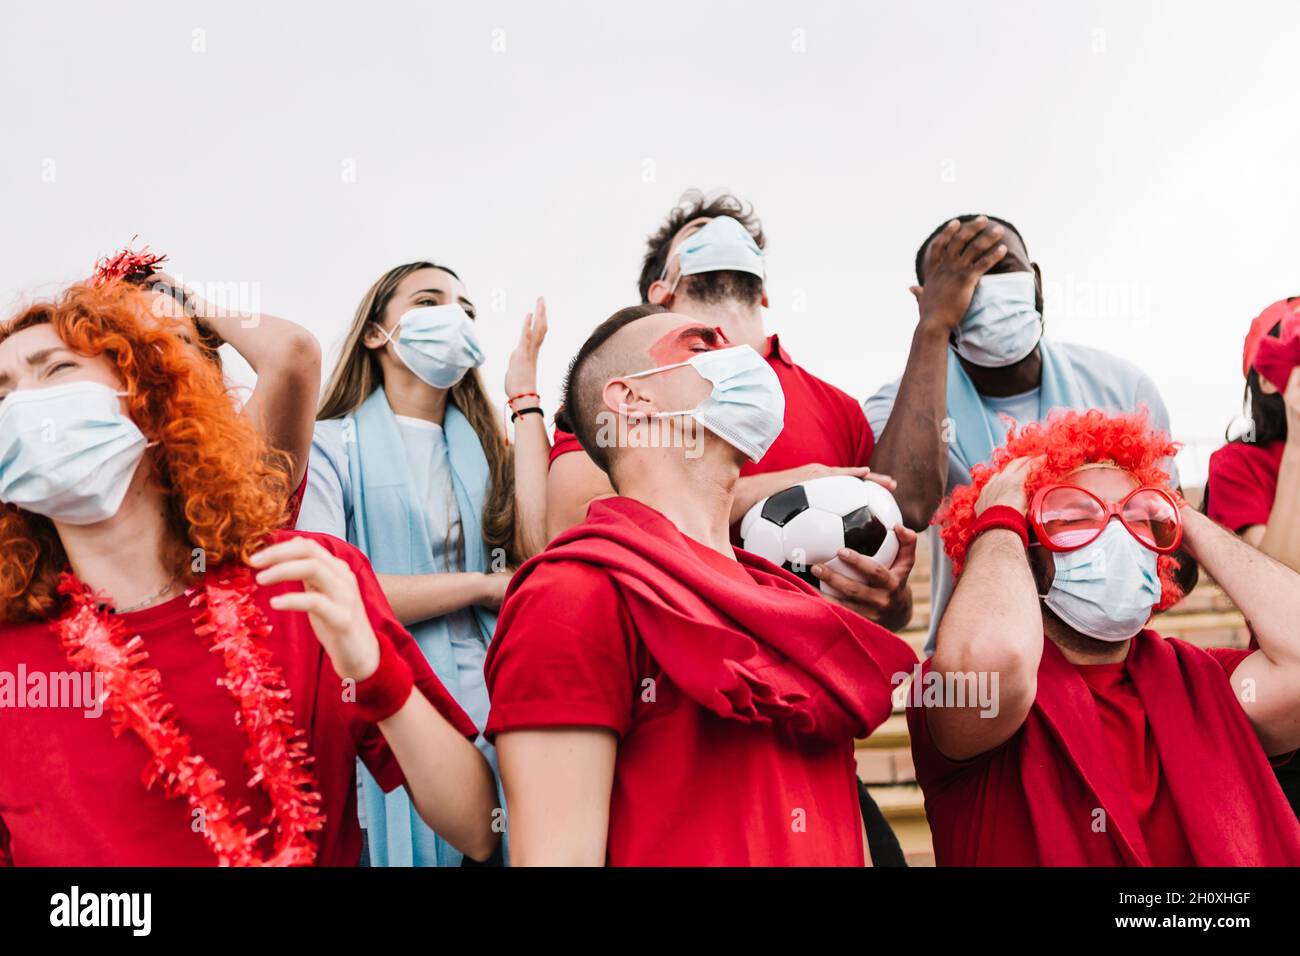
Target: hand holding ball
[810, 522]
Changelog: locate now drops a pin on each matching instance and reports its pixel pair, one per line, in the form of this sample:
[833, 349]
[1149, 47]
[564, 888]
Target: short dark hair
[577, 416]
[964, 218]
[694, 205]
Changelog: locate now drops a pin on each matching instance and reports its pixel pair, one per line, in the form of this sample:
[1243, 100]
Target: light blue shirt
[1104, 381]
[327, 508]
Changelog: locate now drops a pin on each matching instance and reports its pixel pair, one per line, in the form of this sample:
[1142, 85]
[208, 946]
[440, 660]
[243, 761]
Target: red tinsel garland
[232, 625]
[127, 264]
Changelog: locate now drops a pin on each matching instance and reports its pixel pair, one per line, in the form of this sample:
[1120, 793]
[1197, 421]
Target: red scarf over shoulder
[776, 653]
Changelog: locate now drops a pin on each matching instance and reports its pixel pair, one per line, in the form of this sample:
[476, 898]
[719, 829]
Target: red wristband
[387, 690]
[512, 398]
[1002, 516]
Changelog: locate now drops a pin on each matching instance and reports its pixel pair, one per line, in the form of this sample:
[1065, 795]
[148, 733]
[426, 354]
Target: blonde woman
[411, 465]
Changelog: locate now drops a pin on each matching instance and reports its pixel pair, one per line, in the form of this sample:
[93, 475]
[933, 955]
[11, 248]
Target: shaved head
[606, 354]
[632, 340]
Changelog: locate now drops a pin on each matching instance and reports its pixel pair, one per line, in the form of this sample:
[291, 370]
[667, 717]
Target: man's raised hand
[954, 262]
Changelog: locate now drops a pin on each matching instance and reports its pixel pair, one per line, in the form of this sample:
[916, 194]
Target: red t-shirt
[1124, 721]
[823, 425]
[71, 794]
[984, 800]
[1242, 483]
[690, 788]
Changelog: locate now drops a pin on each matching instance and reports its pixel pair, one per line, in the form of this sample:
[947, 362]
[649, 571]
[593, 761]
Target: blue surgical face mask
[722, 245]
[1106, 589]
[437, 343]
[67, 452]
[746, 408]
[1002, 324]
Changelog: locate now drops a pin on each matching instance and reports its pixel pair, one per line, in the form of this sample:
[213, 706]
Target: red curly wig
[1066, 442]
[226, 489]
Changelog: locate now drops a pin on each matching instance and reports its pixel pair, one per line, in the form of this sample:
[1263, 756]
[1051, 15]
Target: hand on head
[955, 260]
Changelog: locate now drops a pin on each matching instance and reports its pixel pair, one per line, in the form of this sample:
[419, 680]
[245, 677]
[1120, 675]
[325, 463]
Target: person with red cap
[1103, 743]
[1253, 486]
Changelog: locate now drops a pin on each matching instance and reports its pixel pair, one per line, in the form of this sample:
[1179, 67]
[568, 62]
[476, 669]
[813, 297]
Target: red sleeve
[933, 769]
[563, 443]
[563, 654]
[864, 440]
[372, 748]
[1236, 499]
[1229, 658]
[295, 501]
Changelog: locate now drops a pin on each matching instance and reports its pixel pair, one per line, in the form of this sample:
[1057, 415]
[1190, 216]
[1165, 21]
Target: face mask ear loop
[388, 334]
[388, 338]
[148, 444]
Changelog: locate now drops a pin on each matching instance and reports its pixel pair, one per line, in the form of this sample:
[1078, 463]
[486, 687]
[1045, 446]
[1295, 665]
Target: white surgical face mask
[721, 245]
[67, 452]
[1002, 324]
[437, 343]
[746, 408]
[1108, 588]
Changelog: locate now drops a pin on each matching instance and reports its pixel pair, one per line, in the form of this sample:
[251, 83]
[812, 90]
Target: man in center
[659, 698]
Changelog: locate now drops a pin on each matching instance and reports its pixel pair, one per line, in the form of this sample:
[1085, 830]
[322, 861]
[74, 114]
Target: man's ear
[763, 301]
[1038, 287]
[658, 293]
[627, 397]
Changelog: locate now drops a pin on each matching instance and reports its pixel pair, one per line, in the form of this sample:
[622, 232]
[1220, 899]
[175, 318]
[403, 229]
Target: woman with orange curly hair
[1052, 726]
[181, 683]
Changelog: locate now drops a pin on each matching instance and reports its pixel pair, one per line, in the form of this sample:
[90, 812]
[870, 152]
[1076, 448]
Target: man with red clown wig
[1102, 743]
[181, 683]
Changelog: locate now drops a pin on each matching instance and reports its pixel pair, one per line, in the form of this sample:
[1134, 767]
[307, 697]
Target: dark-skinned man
[978, 358]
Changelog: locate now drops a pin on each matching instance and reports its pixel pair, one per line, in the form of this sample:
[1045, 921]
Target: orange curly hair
[226, 489]
[1067, 441]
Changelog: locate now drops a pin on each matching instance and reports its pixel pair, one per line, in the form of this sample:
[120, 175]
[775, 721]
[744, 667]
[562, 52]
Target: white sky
[1147, 150]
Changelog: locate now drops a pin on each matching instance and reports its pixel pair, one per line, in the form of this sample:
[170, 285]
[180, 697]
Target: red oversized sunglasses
[1067, 517]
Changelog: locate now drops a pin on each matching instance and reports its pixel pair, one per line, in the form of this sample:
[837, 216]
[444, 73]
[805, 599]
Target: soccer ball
[808, 523]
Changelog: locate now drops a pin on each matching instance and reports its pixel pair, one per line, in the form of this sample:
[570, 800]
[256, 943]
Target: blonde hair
[358, 373]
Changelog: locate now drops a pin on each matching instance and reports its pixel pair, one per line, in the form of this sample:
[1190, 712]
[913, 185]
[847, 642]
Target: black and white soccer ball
[808, 523]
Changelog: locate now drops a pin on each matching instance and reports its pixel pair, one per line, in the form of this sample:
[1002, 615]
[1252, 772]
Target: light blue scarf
[973, 435]
[392, 530]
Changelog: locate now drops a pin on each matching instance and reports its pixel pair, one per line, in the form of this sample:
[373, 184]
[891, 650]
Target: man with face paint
[659, 698]
[979, 359]
[707, 262]
[1103, 743]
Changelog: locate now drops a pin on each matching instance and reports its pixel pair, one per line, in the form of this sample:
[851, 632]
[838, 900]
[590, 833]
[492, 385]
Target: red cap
[1286, 311]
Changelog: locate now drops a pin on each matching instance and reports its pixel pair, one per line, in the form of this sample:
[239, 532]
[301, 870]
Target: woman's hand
[331, 600]
[521, 373]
